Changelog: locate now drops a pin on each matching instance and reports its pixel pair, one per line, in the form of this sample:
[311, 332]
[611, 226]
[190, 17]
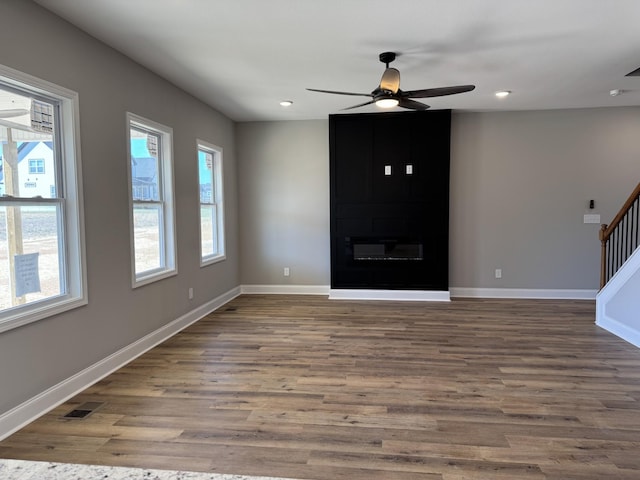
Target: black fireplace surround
[390, 200]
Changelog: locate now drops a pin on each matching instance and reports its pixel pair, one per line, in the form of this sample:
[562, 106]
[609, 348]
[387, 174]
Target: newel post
[603, 255]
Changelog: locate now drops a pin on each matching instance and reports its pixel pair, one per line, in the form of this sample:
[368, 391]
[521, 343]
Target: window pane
[147, 230]
[28, 159]
[205, 170]
[29, 254]
[208, 233]
[36, 165]
[145, 179]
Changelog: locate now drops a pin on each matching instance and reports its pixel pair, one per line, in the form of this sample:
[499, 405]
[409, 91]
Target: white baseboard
[397, 295]
[346, 294]
[419, 295]
[534, 293]
[285, 289]
[37, 406]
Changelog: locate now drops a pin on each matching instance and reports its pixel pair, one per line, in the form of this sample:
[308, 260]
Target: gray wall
[284, 202]
[520, 185]
[38, 356]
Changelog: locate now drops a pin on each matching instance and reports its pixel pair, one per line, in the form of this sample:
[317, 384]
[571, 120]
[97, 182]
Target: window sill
[212, 260]
[40, 312]
[154, 277]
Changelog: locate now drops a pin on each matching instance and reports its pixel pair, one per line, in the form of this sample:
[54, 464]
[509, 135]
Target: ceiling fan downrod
[387, 58]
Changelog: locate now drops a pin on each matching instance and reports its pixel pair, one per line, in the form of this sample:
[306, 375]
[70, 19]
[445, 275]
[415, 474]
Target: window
[36, 165]
[211, 203]
[42, 268]
[151, 194]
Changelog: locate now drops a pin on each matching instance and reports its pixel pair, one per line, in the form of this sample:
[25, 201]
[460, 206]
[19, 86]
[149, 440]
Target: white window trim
[171, 263]
[218, 188]
[75, 253]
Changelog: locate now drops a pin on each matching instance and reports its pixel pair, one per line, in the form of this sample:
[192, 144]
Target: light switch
[387, 169]
[591, 218]
[409, 169]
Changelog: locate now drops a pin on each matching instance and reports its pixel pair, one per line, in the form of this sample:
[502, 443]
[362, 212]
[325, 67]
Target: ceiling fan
[14, 112]
[389, 95]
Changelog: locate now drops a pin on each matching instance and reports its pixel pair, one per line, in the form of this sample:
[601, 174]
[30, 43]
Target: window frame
[71, 234]
[217, 200]
[167, 242]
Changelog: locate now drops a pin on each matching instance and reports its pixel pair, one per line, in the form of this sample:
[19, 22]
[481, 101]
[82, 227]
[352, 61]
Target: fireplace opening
[384, 249]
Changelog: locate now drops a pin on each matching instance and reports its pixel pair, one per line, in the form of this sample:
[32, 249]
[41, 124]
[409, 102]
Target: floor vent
[84, 410]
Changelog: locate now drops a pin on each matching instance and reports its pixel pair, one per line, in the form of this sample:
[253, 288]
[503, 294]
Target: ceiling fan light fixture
[286, 103]
[387, 102]
[503, 93]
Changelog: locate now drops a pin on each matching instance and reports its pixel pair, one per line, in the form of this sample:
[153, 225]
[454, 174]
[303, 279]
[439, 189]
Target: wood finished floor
[303, 387]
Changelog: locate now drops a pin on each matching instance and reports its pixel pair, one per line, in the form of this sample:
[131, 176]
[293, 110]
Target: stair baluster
[621, 238]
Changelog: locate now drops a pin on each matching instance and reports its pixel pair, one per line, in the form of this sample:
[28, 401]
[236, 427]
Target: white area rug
[25, 470]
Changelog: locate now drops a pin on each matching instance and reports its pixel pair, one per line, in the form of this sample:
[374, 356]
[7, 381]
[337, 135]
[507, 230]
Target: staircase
[618, 302]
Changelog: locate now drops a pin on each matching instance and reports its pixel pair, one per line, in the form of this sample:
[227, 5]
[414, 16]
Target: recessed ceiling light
[503, 93]
[286, 103]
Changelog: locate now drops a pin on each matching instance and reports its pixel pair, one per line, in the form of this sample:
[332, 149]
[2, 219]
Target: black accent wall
[397, 224]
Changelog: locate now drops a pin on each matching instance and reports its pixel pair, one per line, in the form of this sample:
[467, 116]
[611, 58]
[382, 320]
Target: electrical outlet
[286, 271]
[498, 273]
[190, 293]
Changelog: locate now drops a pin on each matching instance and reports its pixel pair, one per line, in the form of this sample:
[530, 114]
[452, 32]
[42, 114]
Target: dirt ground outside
[39, 231]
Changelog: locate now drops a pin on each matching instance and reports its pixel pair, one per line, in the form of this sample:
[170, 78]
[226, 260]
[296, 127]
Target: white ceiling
[244, 56]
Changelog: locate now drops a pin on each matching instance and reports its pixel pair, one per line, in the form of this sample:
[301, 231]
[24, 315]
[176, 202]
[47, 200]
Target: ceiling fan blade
[14, 112]
[437, 92]
[339, 93]
[411, 104]
[361, 105]
[390, 80]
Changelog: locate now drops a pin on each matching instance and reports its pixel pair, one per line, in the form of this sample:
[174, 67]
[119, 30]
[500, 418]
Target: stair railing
[621, 238]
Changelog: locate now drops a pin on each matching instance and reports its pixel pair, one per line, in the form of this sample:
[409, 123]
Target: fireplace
[390, 201]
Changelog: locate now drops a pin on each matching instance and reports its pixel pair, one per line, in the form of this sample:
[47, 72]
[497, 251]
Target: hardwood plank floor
[303, 387]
